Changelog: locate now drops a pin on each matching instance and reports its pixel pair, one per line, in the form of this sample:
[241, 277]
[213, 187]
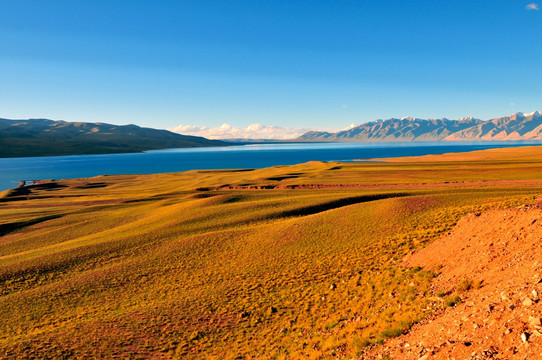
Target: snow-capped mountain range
[520, 126]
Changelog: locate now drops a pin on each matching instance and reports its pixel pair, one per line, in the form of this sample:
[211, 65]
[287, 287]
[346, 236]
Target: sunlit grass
[174, 266]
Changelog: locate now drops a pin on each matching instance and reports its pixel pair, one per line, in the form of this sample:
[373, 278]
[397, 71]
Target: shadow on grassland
[11, 227]
[335, 204]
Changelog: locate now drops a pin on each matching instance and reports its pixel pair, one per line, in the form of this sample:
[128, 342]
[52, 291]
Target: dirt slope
[500, 254]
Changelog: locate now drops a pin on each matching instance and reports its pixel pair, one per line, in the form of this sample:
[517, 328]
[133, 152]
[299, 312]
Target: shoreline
[81, 166]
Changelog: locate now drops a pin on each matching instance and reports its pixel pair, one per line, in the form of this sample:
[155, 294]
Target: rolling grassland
[286, 262]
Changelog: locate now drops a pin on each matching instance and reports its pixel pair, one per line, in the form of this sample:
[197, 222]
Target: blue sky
[293, 64]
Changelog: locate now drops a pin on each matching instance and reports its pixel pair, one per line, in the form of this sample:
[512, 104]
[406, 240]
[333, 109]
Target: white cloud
[351, 126]
[532, 6]
[253, 131]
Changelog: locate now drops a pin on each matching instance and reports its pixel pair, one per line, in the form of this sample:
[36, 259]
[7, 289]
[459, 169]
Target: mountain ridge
[519, 126]
[44, 137]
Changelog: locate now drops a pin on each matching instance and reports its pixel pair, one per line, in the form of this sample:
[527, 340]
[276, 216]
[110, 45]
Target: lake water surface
[12, 170]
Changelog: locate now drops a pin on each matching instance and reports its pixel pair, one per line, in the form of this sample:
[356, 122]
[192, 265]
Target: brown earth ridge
[493, 261]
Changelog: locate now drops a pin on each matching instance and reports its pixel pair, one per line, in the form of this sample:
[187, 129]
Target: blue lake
[12, 170]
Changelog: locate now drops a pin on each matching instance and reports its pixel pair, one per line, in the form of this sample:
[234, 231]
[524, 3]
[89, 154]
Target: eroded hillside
[493, 262]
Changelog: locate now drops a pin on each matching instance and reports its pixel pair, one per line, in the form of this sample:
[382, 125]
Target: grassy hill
[296, 261]
[41, 137]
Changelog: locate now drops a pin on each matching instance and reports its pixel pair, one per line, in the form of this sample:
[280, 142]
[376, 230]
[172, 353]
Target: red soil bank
[501, 250]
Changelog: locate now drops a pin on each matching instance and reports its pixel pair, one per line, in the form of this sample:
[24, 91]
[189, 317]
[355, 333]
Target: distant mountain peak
[519, 126]
[534, 114]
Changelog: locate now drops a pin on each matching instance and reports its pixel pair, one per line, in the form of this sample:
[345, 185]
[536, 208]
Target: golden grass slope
[286, 262]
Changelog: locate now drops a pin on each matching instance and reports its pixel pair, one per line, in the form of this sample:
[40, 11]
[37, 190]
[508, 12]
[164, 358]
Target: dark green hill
[42, 137]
